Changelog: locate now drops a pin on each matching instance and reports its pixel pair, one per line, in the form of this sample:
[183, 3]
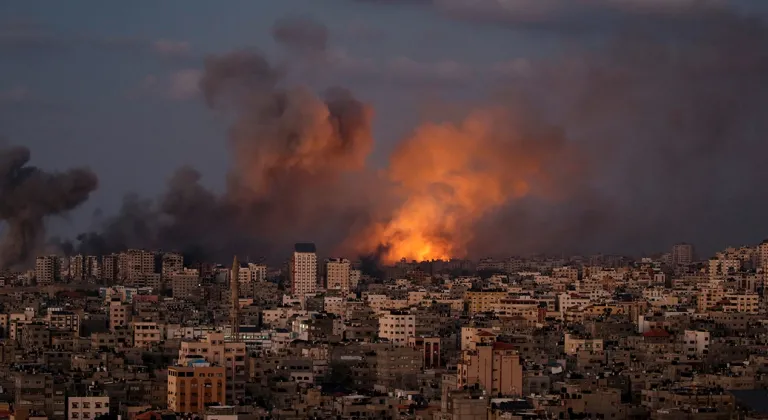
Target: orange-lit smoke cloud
[449, 176]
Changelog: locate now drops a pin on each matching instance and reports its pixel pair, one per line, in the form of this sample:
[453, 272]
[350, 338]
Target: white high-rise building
[337, 274]
[303, 270]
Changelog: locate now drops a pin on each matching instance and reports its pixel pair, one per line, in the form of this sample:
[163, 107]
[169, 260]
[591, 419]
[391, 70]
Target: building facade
[303, 270]
[337, 275]
[192, 387]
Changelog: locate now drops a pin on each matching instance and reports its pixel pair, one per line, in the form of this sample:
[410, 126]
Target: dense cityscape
[383, 210]
[142, 335]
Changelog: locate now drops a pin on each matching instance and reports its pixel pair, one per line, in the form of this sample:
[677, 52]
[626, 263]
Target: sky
[113, 86]
[89, 83]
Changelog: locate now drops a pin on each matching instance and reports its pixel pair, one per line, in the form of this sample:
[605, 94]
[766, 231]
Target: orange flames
[451, 176]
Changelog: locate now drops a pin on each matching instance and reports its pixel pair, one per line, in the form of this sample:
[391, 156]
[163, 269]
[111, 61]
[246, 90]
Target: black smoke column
[28, 195]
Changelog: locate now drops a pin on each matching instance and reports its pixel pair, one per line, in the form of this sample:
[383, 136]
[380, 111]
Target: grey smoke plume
[28, 195]
[297, 159]
[666, 116]
[670, 117]
[285, 135]
[665, 119]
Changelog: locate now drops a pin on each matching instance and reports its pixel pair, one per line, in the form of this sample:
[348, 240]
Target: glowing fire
[409, 236]
[451, 176]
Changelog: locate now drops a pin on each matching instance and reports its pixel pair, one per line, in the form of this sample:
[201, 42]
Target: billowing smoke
[652, 138]
[298, 167]
[670, 121]
[660, 133]
[491, 158]
[284, 140]
[27, 196]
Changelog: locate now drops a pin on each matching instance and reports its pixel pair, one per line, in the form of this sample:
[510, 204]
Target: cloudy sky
[114, 85]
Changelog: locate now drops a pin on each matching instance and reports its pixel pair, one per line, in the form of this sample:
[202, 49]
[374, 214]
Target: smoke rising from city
[492, 157]
[622, 147]
[293, 155]
[28, 195]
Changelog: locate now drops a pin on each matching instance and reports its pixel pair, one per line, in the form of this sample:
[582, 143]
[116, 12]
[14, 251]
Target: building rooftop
[656, 332]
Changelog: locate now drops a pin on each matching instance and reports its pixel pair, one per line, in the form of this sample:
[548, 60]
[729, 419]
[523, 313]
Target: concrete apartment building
[398, 367]
[472, 336]
[63, 321]
[251, 273]
[77, 268]
[303, 270]
[38, 394]
[354, 278]
[134, 263]
[496, 367]
[146, 334]
[192, 387]
[397, 327]
[337, 275]
[110, 266]
[762, 255]
[171, 262]
[119, 314]
[574, 344]
[35, 335]
[219, 352]
[696, 342]
[484, 301]
[185, 284]
[47, 270]
[249, 277]
[87, 408]
[430, 349]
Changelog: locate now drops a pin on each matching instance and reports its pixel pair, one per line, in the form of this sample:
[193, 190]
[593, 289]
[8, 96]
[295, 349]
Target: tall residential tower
[303, 270]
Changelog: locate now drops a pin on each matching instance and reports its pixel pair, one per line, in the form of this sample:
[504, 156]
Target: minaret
[234, 283]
